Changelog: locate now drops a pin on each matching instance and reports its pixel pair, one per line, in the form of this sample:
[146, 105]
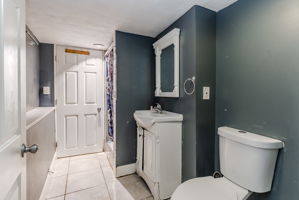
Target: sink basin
[147, 118]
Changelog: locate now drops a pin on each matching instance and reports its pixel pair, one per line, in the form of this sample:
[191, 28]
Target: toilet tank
[248, 159]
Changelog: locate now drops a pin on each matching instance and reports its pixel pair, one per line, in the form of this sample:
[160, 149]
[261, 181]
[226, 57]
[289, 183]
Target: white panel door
[80, 96]
[12, 99]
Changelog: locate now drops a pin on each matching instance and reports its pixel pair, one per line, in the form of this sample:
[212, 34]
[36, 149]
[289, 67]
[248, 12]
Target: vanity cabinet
[159, 155]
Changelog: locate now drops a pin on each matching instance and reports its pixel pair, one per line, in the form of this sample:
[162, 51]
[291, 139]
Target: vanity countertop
[146, 118]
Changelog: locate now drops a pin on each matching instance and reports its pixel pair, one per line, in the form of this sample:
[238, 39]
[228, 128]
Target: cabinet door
[149, 155]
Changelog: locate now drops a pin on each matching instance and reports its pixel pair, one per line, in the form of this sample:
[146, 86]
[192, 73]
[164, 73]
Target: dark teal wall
[258, 79]
[135, 90]
[205, 76]
[197, 58]
[46, 74]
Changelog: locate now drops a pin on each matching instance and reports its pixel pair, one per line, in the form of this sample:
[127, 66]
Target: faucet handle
[158, 108]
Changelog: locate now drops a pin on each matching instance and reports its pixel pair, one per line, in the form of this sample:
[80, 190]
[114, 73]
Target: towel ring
[190, 90]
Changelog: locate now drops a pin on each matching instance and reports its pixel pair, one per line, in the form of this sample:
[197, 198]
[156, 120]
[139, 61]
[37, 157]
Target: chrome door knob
[32, 149]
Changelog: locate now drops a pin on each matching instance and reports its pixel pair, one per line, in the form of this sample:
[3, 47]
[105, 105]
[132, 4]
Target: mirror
[167, 69]
[167, 64]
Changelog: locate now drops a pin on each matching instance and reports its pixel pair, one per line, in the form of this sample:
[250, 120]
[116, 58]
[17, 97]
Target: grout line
[82, 189]
[68, 173]
[95, 169]
[67, 177]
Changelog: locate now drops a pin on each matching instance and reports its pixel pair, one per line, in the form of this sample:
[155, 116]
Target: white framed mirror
[167, 50]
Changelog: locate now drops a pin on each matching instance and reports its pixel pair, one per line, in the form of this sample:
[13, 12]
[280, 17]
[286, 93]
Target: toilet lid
[209, 188]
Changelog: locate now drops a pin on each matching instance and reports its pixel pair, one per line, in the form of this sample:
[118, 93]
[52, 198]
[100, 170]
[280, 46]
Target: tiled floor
[90, 177]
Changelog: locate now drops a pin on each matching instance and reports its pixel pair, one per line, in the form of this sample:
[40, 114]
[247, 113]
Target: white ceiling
[85, 22]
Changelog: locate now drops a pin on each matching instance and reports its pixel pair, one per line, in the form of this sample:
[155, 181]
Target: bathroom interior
[172, 99]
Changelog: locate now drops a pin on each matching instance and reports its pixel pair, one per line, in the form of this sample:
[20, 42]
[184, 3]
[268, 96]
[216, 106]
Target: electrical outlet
[206, 93]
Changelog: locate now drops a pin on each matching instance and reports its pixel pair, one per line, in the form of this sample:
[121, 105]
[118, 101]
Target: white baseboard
[125, 170]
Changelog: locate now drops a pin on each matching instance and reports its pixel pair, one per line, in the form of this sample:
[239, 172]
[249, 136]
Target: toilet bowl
[247, 161]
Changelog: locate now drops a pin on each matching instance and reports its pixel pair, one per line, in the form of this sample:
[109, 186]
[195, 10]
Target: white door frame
[100, 85]
[12, 165]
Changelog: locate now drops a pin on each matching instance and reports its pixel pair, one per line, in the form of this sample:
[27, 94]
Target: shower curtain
[109, 58]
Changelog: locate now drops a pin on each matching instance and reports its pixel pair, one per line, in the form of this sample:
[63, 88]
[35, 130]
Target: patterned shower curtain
[109, 94]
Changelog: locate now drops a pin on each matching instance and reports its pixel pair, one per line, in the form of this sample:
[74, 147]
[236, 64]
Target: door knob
[32, 149]
[99, 110]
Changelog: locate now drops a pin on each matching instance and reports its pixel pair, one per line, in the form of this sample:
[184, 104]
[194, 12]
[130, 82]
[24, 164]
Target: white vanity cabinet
[159, 151]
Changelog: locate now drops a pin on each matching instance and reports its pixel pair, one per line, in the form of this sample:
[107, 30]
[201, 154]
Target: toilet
[247, 163]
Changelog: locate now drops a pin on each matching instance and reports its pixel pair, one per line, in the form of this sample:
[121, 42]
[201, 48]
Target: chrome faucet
[157, 108]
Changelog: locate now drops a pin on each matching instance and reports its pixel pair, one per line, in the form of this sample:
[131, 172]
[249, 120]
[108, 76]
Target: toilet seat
[210, 188]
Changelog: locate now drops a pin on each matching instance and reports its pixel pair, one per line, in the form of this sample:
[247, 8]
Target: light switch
[206, 93]
[46, 90]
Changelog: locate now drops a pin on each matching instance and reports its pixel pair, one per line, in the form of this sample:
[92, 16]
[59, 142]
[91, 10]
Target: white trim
[43, 193]
[125, 170]
[110, 48]
[171, 38]
[111, 152]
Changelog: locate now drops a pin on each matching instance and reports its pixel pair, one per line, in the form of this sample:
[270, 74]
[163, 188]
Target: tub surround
[40, 121]
[35, 115]
[41, 131]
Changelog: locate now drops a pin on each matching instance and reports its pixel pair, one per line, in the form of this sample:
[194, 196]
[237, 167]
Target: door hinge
[55, 58]
[55, 101]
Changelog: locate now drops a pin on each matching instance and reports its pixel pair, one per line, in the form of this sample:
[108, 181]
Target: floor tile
[149, 198]
[90, 177]
[60, 167]
[56, 186]
[84, 180]
[83, 164]
[133, 178]
[104, 160]
[94, 155]
[96, 193]
[135, 186]
[118, 192]
[57, 198]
